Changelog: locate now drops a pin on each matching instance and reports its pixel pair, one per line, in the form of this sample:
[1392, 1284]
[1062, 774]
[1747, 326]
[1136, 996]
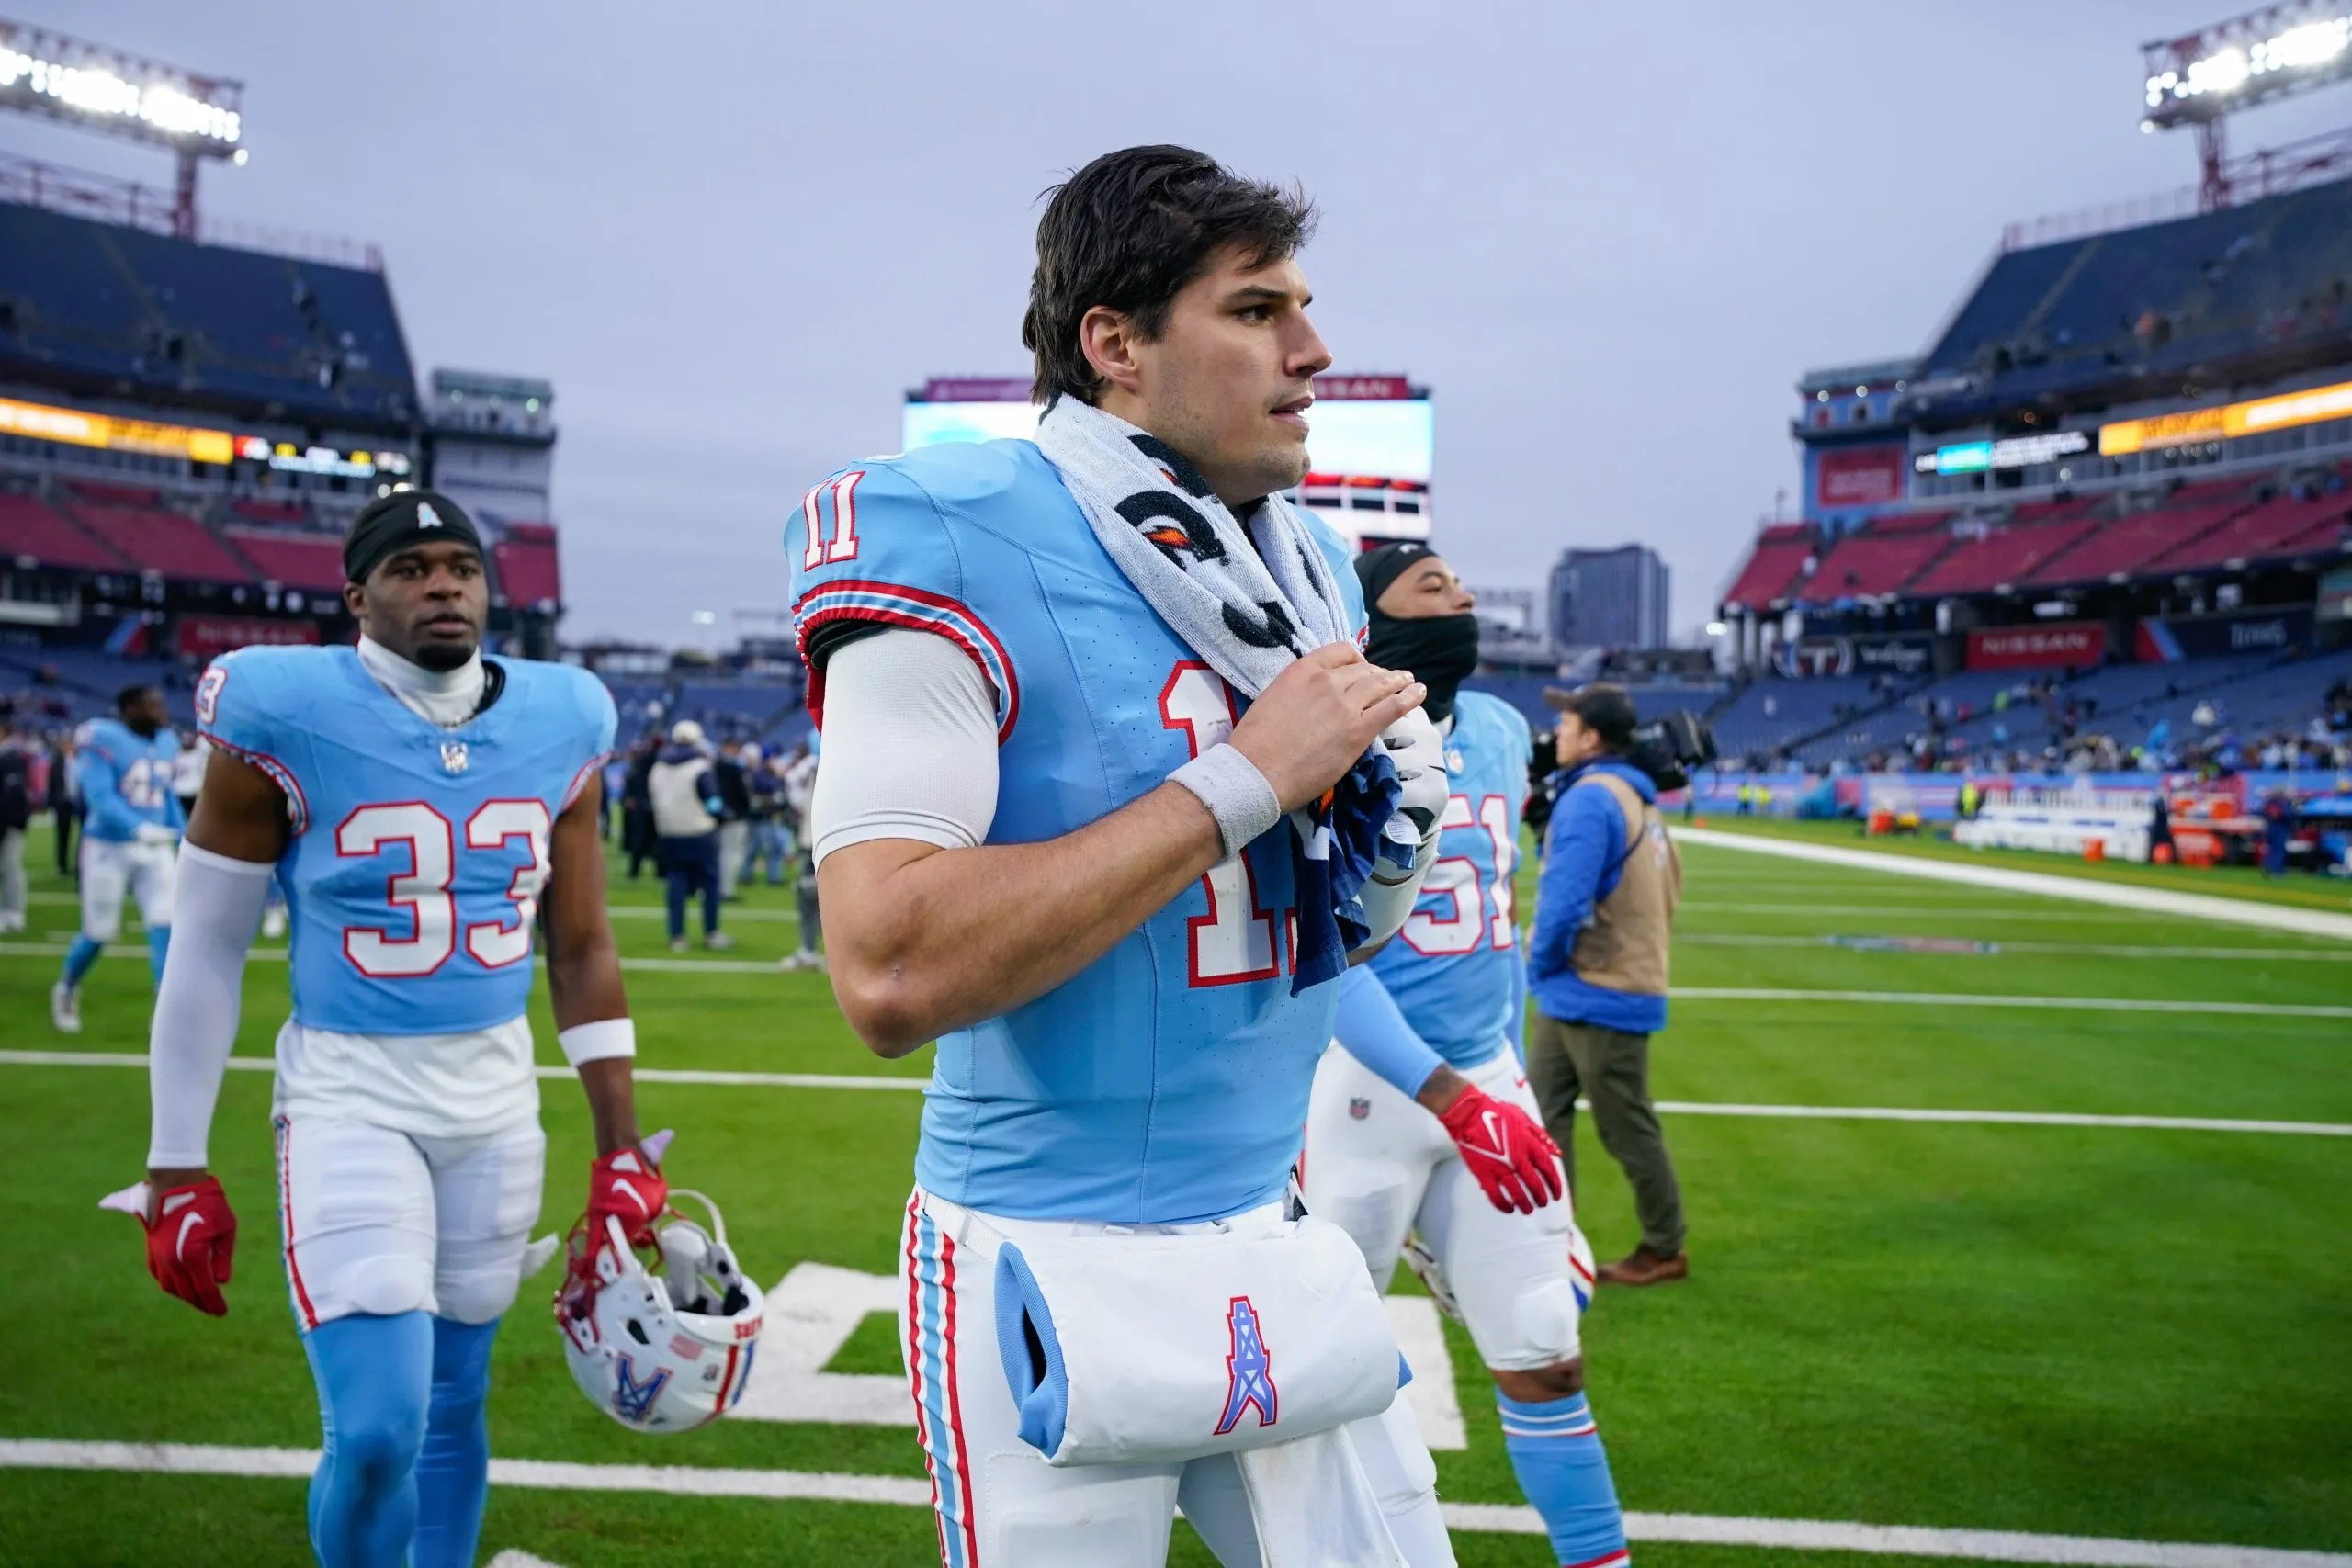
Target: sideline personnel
[1597, 966]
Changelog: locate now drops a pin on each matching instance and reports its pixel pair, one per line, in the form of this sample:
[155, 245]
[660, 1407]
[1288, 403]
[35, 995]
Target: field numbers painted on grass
[422, 892]
[1236, 939]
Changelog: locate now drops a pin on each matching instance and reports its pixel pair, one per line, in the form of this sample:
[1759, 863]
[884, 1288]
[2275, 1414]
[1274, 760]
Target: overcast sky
[1610, 239]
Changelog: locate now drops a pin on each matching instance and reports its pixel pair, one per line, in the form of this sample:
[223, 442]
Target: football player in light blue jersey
[1423, 1123]
[420, 805]
[1051, 831]
[124, 766]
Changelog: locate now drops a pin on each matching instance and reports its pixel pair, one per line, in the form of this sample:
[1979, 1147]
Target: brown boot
[1643, 1267]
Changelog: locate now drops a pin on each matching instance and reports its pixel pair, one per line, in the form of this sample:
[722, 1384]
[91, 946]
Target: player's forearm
[953, 937]
[219, 905]
[610, 1083]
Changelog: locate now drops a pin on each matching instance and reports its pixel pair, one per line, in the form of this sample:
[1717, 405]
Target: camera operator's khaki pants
[1612, 1069]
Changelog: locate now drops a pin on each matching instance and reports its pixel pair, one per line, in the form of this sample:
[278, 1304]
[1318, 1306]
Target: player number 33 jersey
[417, 853]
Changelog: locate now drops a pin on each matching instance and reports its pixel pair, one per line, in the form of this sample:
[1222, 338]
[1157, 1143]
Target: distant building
[1511, 626]
[1609, 598]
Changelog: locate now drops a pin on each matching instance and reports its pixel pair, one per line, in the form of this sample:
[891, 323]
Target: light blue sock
[159, 941]
[375, 1378]
[1555, 1449]
[453, 1474]
[79, 958]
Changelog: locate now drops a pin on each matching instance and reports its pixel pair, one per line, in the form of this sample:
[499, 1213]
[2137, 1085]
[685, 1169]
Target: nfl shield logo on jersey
[1359, 1107]
[453, 756]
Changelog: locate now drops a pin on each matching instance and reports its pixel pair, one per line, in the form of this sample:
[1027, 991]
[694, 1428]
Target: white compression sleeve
[216, 908]
[909, 745]
[1387, 905]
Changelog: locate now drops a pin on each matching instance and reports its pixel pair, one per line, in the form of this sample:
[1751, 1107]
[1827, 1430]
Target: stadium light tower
[2258, 58]
[98, 88]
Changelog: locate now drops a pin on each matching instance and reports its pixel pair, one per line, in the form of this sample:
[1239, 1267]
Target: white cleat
[273, 923]
[66, 1008]
[796, 961]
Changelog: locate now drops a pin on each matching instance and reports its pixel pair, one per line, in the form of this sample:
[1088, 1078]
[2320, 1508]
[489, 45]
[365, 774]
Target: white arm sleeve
[1387, 905]
[911, 745]
[216, 908]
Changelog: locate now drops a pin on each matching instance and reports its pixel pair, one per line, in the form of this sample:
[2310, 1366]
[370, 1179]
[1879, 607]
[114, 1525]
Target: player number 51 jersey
[417, 852]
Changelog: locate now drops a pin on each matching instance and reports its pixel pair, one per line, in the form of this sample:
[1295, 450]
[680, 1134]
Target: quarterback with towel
[1111, 797]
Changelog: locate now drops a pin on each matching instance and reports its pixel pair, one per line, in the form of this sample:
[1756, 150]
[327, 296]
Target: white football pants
[380, 1221]
[1378, 1165]
[1000, 1504]
[109, 869]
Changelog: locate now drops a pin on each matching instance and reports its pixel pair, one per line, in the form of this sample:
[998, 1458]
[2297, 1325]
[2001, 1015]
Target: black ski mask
[1440, 650]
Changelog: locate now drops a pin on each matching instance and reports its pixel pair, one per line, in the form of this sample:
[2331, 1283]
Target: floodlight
[2261, 56]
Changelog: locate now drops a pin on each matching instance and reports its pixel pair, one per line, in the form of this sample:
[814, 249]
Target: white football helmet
[666, 1352]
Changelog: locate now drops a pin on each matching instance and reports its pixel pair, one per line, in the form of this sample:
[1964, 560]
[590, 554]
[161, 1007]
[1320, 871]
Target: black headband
[1377, 568]
[401, 521]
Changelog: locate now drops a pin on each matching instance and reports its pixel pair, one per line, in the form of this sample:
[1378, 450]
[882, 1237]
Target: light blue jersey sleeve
[237, 704]
[1374, 1032]
[99, 773]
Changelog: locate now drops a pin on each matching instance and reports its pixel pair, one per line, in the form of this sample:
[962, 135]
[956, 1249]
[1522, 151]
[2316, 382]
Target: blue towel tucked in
[1333, 844]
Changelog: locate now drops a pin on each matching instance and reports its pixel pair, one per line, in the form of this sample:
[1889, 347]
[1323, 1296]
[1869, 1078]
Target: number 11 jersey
[413, 867]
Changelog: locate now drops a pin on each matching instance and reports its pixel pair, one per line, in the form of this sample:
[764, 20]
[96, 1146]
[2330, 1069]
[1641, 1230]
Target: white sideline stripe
[688, 1481]
[1964, 999]
[2082, 890]
[1925, 911]
[2000, 1118]
[510, 1558]
[2064, 949]
[1684, 1107]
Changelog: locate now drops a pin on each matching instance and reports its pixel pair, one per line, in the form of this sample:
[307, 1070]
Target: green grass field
[2130, 1332]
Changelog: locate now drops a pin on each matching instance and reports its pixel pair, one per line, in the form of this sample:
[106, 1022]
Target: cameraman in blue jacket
[1597, 965]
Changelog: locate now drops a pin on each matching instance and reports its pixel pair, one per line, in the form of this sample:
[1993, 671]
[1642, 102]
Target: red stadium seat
[2130, 545]
[1872, 563]
[2003, 557]
[526, 562]
[312, 562]
[32, 530]
[2277, 528]
[170, 543]
[1772, 569]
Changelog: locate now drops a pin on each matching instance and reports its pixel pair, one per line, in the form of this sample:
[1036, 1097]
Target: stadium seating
[1781, 554]
[157, 540]
[2128, 544]
[1872, 562]
[2151, 300]
[2002, 556]
[311, 562]
[2279, 527]
[1649, 702]
[526, 561]
[1774, 714]
[117, 304]
[32, 530]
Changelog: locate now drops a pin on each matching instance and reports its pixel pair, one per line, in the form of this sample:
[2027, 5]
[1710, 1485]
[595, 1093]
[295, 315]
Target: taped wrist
[1236, 793]
[605, 1038]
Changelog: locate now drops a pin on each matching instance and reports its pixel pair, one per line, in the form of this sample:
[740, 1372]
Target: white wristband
[1236, 793]
[584, 1043]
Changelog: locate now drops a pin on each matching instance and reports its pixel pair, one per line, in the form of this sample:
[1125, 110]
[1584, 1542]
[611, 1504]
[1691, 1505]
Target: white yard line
[2081, 890]
[2064, 949]
[1954, 912]
[1685, 1107]
[1962, 999]
[277, 955]
[688, 1481]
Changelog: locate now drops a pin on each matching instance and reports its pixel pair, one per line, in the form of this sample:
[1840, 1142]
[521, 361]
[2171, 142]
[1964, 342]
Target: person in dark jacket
[639, 840]
[16, 818]
[2278, 831]
[1597, 966]
[734, 815]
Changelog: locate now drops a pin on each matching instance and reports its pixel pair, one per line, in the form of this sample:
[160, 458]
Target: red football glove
[1514, 1159]
[189, 1242]
[626, 1185]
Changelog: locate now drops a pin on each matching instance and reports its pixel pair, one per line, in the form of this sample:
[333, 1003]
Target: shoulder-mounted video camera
[1668, 748]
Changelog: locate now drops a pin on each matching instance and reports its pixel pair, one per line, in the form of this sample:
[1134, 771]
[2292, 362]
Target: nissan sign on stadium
[2062, 645]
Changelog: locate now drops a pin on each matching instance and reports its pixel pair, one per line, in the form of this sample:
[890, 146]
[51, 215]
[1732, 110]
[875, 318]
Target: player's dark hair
[1130, 230]
[128, 698]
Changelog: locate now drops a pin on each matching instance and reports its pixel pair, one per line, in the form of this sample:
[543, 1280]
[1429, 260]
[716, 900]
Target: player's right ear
[1109, 340]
